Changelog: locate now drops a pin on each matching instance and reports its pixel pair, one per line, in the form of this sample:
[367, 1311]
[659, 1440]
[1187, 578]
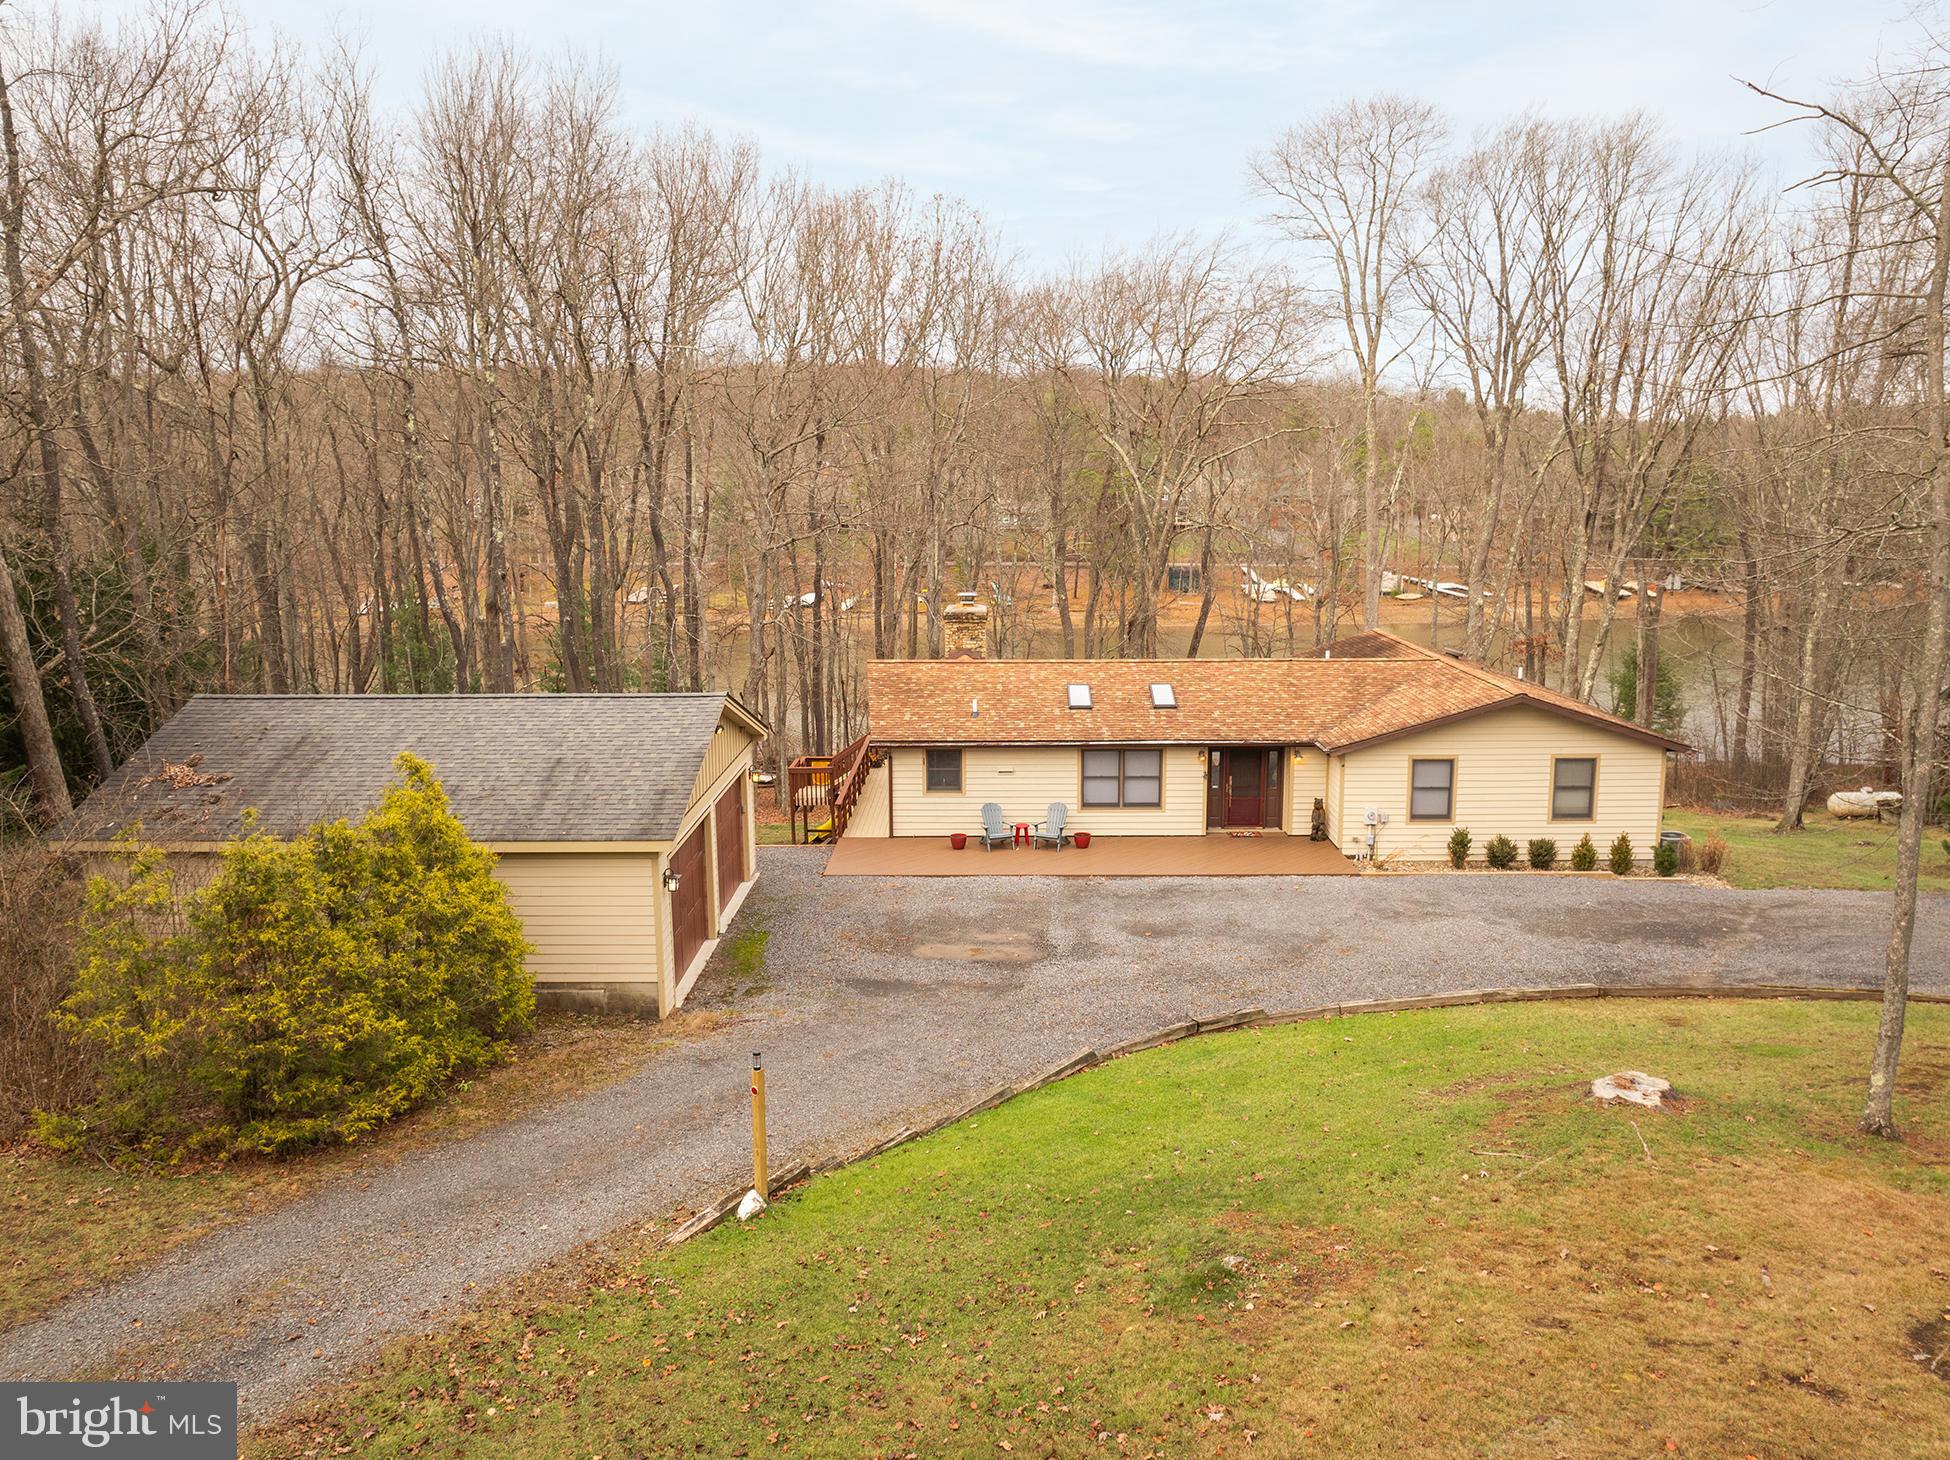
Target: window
[1163, 697]
[944, 770]
[1431, 790]
[1574, 788]
[1123, 777]
[1103, 777]
[1079, 696]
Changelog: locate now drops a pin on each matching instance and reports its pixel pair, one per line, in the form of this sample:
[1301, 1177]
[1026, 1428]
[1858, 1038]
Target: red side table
[1022, 833]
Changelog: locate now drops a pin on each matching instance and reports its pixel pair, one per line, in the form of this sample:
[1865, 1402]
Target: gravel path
[888, 1000]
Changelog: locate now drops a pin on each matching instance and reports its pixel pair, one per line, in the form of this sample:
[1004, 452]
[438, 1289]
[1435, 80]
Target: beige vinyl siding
[1335, 781]
[1503, 784]
[591, 915]
[870, 808]
[1023, 780]
[733, 743]
[1306, 772]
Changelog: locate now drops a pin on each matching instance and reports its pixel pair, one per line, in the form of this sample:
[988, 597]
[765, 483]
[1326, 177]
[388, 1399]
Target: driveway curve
[887, 1001]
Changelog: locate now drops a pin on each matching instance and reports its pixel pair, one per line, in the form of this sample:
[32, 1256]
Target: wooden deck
[1218, 855]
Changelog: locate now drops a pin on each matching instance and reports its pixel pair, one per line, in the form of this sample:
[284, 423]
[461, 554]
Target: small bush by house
[1459, 846]
[1584, 856]
[1543, 853]
[1711, 855]
[1665, 858]
[314, 989]
[1500, 852]
[1622, 857]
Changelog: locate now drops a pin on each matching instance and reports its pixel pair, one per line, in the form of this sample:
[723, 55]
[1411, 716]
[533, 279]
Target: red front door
[1244, 787]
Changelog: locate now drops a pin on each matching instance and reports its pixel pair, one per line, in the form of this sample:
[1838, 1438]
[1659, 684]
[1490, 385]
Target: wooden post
[760, 1180]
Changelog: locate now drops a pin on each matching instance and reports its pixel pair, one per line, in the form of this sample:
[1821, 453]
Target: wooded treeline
[499, 394]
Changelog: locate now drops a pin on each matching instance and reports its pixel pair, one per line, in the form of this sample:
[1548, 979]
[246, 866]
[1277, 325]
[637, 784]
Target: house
[622, 825]
[1397, 745]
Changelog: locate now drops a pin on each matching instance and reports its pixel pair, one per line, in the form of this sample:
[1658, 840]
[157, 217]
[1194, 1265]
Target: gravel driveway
[888, 1000]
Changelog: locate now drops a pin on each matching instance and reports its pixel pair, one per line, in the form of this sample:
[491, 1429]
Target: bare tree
[1896, 126]
[1173, 355]
[1499, 216]
[1349, 185]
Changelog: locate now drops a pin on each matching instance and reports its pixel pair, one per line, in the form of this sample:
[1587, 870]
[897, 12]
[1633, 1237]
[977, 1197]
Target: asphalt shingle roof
[1380, 687]
[521, 767]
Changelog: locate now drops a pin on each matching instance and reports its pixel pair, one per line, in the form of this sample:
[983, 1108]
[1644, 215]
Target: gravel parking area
[886, 1000]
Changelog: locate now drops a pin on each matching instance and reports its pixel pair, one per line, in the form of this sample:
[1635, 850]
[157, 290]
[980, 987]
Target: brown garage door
[690, 911]
[731, 841]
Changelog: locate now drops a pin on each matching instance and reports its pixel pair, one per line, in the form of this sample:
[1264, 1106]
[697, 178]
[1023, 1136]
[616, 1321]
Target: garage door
[731, 841]
[690, 910]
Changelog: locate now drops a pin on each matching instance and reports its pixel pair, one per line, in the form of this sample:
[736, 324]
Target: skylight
[1079, 696]
[1163, 697]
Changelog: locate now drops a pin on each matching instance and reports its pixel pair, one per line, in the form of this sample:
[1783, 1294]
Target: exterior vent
[1079, 696]
[1163, 697]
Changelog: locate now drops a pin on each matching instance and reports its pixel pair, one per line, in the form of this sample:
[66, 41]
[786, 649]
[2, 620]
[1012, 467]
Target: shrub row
[1541, 852]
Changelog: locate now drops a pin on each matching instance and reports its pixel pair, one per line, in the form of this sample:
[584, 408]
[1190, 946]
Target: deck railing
[821, 790]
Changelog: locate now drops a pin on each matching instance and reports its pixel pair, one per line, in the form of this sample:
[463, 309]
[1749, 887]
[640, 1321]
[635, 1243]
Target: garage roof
[517, 767]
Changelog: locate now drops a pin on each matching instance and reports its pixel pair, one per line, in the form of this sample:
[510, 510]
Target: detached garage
[622, 824]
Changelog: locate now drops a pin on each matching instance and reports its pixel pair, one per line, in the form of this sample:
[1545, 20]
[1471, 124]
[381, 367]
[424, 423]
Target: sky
[1078, 125]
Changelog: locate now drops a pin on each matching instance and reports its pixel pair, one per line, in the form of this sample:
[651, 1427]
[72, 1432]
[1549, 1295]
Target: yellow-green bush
[314, 989]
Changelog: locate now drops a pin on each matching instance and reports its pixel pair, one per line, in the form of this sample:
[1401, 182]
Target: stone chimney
[965, 628]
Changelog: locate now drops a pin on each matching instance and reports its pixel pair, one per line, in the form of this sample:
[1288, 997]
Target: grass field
[68, 1223]
[1396, 1234]
[1825, 853]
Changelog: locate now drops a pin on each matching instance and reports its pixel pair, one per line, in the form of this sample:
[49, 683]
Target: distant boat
[1442, 588]
[1272, 590]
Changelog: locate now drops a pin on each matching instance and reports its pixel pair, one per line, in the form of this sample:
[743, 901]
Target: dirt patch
[1921, 1077]
[1154, 930]
[1476, 1084]
[982, 948]
[1929, 1346]
[1809, 1384]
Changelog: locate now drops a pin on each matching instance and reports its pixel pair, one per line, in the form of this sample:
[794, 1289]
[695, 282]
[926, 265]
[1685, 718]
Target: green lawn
[1376, 1236]
[1824, 853]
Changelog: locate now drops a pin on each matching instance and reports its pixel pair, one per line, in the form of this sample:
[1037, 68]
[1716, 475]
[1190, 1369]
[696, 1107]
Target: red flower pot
[1083, 840]
[957, 839]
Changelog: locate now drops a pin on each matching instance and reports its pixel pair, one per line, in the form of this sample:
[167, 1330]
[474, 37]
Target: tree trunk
[1801, 745]
[1749, 657]
[1370, 515]
[39, 421]
[1207, 590]
[1923, 702]
[43, 759]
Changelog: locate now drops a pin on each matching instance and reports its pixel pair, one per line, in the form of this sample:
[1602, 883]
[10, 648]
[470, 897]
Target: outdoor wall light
[672, 877]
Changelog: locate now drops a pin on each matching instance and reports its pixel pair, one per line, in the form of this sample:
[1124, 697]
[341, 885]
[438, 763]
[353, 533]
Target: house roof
[517, 767]
[1363, 690]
